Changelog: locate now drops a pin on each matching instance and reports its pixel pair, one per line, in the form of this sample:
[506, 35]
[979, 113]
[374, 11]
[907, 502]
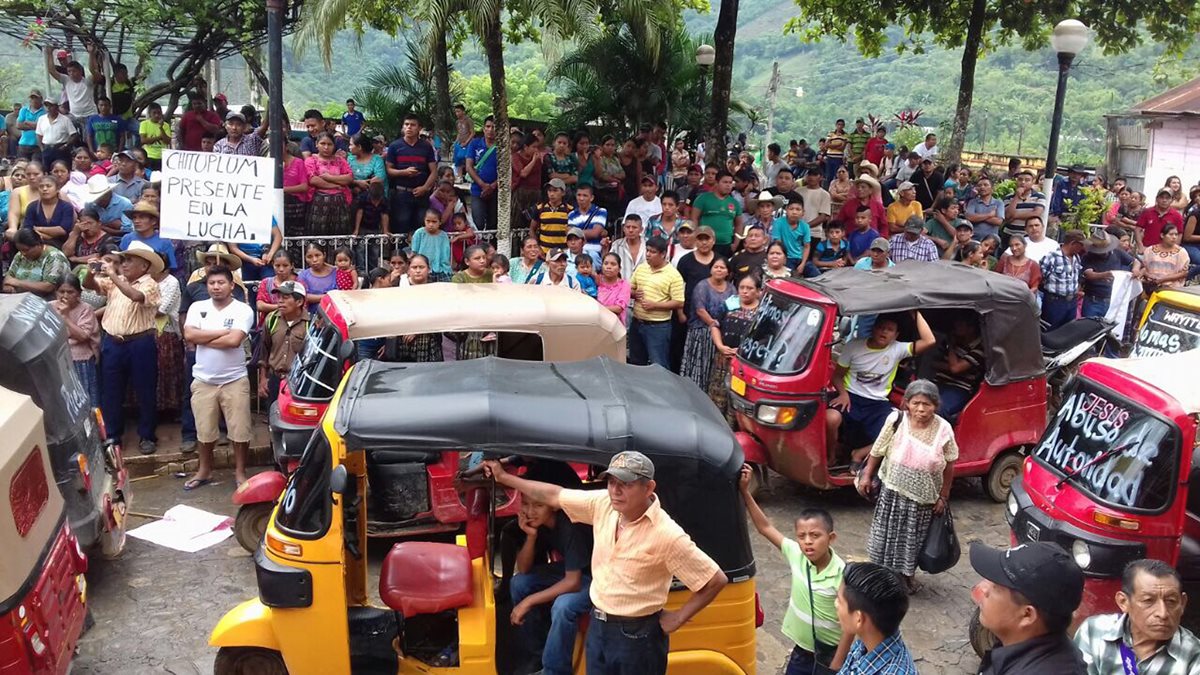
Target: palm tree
[394, 89]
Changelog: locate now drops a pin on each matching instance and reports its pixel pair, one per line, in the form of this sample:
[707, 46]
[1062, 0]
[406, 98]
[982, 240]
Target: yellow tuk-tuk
[1170, 324]
[42, 587]
[439, 611]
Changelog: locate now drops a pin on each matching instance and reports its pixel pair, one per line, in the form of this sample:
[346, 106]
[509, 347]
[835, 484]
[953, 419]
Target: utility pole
[772, 92]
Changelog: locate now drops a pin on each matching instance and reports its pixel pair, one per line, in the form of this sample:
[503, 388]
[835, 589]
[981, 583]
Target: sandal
[196, 484]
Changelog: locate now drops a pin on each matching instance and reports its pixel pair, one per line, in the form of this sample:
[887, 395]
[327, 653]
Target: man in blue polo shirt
[27, 146]
[481, 169]
[411, 167]
[352, 119]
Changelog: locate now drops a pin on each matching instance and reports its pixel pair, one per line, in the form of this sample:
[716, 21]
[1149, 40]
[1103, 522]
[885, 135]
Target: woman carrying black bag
[914, 457]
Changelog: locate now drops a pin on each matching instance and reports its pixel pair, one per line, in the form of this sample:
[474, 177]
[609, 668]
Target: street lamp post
[1069, 38]
[705, 55]
[278, 135]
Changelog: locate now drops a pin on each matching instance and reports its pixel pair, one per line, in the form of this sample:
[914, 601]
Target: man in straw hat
[215, 256]
[128, 352]
[145, 229]
[1103, 256]
[866, 193]
[112, 207]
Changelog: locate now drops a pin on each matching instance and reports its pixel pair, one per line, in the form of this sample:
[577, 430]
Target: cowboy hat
[221, 251]
[765, 196]
[1101, 242]
[142, 250]
[97, 187]
[869, 180]
[143, 207]
[868, 168]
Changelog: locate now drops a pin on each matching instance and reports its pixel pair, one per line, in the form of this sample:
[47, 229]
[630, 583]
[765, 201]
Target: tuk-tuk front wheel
[251, 524]
[999, 479]
[982, 640]
[248, 661]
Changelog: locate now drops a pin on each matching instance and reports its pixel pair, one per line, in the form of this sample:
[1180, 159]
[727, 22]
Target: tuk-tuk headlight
[1013, 507]
[1082, 554]
[776, 414]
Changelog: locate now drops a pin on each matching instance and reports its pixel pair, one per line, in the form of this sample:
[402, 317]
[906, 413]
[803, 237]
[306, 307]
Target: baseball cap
[705, 231]
[646, 179]
[222, 98]
[293, 288]
[127, 155]
[1164, 191]
[557, 183]
[629, 466]
[685, 225]
[914, 224]
[235, 115]
[556, 253]
[36, 92]
[881, 244]
[906, 185]
[574, 232]
[1041, 571]
[964, 223]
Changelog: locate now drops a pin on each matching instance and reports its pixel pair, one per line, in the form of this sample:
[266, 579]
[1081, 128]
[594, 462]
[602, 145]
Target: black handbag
[941, 550]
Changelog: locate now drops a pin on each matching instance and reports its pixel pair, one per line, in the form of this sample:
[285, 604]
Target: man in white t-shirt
[1037, 244]
[817, 204]
[863, 379]
[54, 133]
[928, 149]
[217, 327]
[647, 204]
[76, 86]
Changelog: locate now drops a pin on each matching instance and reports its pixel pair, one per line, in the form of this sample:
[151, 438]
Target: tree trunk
[493, 47]
[966, 82]
[723, 38]
[444, 120]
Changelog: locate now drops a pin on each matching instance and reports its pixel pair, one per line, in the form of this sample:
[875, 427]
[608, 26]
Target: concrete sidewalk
[170, 459]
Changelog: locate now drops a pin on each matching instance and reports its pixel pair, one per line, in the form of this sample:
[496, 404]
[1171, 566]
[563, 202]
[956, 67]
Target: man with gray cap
[912, 244]
[237, 141]
[638, 550]
[877, 257]
[1026, 599]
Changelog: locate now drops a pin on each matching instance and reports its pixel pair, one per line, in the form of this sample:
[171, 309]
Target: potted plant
[1087, 212]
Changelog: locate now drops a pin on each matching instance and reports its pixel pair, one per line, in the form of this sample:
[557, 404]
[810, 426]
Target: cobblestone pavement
[155, 607]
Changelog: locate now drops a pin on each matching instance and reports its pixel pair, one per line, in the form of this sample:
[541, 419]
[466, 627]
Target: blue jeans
[954, 399]
[1194, 257]
[811, 270]
[1094, 306]
[124, 363]
[556, 642]
[1057, 310]
[187, 421]
[801, 662]
[832, 164]
[650, 343]
[627, 647]
[408, 211]
[483, 212]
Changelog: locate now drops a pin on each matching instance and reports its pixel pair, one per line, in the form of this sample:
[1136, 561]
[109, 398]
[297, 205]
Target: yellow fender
[247, 625]
[698, 662]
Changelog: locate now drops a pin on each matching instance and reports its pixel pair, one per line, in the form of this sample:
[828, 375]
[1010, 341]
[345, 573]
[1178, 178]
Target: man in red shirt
[1150, 223]
[197, 122]
[866, 191]
[874, 151]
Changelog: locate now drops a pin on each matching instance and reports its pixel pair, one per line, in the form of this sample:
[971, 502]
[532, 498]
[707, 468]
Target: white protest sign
[209, 196]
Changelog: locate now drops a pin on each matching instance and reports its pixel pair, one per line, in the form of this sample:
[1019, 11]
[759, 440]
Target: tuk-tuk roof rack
[582, 411]
[1010, 329]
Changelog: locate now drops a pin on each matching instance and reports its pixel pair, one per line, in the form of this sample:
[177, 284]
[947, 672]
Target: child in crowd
[462, 235]
[371, 211]
[103, 164]
[795, 234]
[398, 264]
[433, 243]
[585, 272]
[831, 253]
[500, 269]
[811, 621]
[347, 276]
[83, 333]
[871, 603]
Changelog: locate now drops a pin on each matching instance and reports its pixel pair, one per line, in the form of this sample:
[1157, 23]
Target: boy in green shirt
[811, 621]
[720, 211]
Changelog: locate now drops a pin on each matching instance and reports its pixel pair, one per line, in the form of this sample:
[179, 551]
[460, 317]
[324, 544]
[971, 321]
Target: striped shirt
[657, 285]
[631, 575]
[798, 623]
[1099, 639]
[552, 225]
[124, 317]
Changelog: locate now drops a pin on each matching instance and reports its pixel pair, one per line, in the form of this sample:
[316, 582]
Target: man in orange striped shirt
[638, 550]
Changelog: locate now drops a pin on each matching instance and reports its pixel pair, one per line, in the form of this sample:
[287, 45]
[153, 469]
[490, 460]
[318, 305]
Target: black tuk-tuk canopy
[583, 411]
[1008, 313]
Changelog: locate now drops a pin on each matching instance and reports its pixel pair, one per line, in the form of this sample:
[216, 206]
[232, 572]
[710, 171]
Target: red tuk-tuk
[88, 469]
[532, 323]
[780, 381]
[42, 587]
[1117, 475]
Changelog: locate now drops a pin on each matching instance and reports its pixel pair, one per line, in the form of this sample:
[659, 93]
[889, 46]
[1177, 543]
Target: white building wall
[1174, 151]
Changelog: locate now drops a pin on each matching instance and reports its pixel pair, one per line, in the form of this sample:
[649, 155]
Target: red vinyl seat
[421, 577]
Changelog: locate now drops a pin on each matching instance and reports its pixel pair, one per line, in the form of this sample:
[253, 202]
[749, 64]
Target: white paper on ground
[186, 528]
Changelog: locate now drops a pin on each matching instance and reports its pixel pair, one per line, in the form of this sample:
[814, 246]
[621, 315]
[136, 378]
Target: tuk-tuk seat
[379, 457]
[422, 577]
[1070, 334]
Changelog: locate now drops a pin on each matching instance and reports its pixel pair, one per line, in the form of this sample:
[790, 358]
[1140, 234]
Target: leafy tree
[527, 94]
[981, 25]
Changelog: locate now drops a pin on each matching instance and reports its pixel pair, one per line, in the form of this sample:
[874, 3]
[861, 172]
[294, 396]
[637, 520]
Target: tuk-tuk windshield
[782, 336]
[316, 372]
[1122, 454]
[1168, 330]
[304, 511]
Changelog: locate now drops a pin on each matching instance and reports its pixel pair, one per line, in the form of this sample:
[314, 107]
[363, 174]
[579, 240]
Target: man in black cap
[1066, 192]
[1026, 598]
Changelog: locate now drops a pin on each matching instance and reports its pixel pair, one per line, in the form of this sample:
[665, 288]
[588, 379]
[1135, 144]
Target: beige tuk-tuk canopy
[26, 527]
[572, 325]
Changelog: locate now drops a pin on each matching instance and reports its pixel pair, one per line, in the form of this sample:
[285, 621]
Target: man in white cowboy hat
[111, 206]
[762, 210]
[145, 229]
[220, 388]
[128, 352]
[216, 256]
[1103, 256]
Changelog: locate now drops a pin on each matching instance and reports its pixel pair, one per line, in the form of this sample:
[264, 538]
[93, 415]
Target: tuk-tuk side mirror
[339, 480]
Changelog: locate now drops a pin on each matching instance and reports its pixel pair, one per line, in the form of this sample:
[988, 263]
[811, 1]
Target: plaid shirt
[891, 657]
[1060, 274]
[922, 249]
[1100, 637]
[251, 144]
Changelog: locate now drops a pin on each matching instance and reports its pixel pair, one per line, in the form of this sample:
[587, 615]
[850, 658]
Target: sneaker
[188, 447]
[148, 447]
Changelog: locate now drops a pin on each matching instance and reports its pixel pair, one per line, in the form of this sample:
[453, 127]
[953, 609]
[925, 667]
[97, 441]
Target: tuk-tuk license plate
[1033, 532]
[738, 385]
